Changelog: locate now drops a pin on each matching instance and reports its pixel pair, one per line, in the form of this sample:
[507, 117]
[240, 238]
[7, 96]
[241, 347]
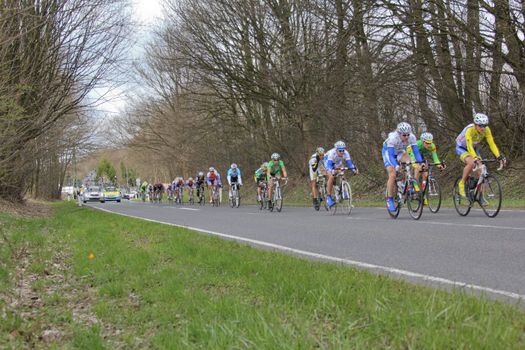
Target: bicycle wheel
[278, 195]
[322, 197]
[415, 203]
[433, 195]
[462, 204]
[231, 200]
[346, 198]
[237, 199]
[490, 196]
[397, 203]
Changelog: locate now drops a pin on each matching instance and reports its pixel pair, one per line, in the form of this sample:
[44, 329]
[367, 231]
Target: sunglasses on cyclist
[340, 150]
[406, 135]
[483, 126]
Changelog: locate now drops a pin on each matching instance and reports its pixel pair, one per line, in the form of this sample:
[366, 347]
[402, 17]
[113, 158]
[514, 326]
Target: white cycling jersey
[394, 140]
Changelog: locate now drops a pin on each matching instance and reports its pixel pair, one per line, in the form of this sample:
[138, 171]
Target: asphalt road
[475, 253]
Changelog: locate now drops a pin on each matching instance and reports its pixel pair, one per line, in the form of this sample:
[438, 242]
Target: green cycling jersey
[425, 150]
[276, 168]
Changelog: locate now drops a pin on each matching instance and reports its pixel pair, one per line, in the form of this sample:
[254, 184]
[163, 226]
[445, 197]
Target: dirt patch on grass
[26, 209]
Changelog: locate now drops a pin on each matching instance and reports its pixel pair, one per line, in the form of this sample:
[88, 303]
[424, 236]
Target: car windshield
[111, 189]
[94, 189]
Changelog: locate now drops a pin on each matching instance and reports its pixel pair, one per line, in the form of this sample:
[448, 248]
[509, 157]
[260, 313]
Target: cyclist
[334, 159]
[199, 182]
[260, 179]
[426, 146]
[394, 151]
[467, 150]
[150, 191]
[213, 178]
[179, 186]
[190, 185]
[275, 168]
[233, 176]
[143, 190]
[316, 166]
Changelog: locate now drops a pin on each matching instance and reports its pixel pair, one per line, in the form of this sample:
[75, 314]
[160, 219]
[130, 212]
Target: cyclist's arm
[492, 144]
[435, 157]
[417, 154]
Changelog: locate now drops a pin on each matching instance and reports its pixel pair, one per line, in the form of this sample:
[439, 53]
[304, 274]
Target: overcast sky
[146, 13]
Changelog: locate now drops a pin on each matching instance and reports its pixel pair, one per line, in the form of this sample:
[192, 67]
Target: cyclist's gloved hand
[356, 171]
[397, 168]
[286, 180]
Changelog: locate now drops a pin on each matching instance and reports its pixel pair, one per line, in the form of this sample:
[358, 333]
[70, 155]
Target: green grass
[156, 286]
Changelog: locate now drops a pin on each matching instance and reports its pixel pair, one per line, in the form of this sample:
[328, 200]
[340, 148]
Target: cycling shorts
[463, 153]
[213, 182]
[386, 157]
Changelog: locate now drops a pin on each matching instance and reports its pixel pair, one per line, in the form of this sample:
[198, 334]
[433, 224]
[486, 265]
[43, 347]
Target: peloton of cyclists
[334, 160]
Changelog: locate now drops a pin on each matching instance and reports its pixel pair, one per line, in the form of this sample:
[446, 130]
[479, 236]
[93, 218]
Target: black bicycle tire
[499, 201]
[456, 195]
[439, 194]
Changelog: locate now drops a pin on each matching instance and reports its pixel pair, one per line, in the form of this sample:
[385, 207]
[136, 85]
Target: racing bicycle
[200, 194]
[485, 190]
[407, 191]
[432, 190]
[263, 201]
[276, 202]
[342, 193]
[235, 198]
[320, 184]
[190, 196]
[215, 196]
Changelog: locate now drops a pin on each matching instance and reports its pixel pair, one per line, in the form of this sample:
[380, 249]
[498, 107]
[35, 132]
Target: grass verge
[88, 279]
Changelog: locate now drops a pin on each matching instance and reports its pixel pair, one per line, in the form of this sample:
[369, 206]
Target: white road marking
[188, 209]
[390, 270]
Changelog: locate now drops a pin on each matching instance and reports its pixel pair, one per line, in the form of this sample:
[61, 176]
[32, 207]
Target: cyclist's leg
[313, 180]
[270, 187]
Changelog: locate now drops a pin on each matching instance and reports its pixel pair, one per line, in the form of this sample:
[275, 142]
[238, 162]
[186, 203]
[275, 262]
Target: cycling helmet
[201, 173]
[190, 178]
[404, 128]
[233, 166]
[427, 137]
[480, 118]
[211, 169]
[264, 165]
[276, 156]
[319, 150]
[340, 145]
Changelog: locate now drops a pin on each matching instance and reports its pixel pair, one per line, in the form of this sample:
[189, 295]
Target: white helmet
[404, 128]
[201, 173]
[319, 150]
[340, 145]
[480, 118]
[190, 178]
[211, 169]
[276, 156]
[233, 166]
[427, 137]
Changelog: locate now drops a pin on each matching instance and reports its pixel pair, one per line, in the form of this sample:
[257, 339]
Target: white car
[93, 193]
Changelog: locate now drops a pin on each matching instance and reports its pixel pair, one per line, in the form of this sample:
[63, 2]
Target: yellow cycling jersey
[469, 138]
